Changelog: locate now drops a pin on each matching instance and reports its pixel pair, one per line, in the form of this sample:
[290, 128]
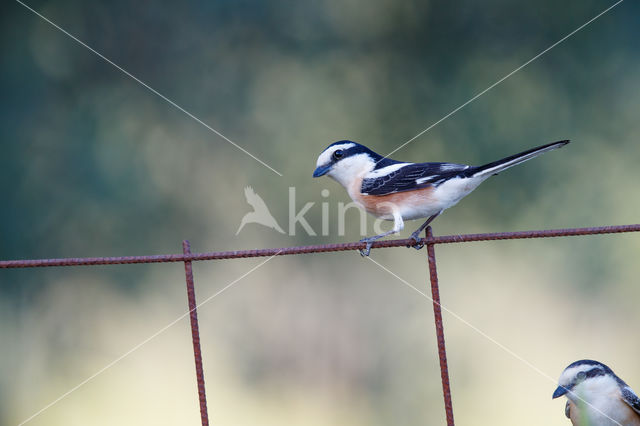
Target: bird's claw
[365, 252]
[418, 241]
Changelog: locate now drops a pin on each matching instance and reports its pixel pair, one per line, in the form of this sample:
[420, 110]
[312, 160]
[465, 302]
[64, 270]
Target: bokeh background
[93, 164]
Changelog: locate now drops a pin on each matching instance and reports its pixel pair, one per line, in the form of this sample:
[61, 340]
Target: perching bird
[399, 191]
[260, 213]
[596, 396]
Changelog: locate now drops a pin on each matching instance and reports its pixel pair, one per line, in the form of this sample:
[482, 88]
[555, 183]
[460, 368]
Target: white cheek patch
[386, 170]
[325, 156]
[347, 170]
[594, 389]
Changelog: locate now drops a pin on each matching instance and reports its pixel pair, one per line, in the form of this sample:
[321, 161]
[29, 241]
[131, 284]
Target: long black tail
[500, 165]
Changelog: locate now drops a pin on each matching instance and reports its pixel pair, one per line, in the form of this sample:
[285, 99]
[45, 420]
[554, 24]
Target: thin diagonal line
[139, 345]
[151, 89]
[486, 336]
[504, 78]
[482, 333]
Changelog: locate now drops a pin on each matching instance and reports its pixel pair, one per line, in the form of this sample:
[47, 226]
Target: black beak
[321, 170]
[561, 390]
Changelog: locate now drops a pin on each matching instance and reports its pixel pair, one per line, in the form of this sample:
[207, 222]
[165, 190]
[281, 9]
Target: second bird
[596, 396]
[399, 191]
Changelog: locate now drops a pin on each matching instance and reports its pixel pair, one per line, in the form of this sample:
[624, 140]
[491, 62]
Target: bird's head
[584, 378]
[345, 160]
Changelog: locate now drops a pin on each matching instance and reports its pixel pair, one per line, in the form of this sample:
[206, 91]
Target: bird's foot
[418, 241]
[365, 252]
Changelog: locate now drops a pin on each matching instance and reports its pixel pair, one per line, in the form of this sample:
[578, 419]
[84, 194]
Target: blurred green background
[93, 164]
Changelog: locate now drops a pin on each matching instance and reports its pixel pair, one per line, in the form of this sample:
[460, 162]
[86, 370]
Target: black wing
[412, 176]
[631, 398]
[567, 410]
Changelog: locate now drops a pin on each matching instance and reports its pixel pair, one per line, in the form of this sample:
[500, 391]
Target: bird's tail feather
[500, 165]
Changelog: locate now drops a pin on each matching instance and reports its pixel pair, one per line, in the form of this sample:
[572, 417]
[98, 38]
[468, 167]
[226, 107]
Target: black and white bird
[399, 191]
[596, 396]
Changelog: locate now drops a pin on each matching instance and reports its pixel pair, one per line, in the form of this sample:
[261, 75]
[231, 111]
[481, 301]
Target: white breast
[602, 403]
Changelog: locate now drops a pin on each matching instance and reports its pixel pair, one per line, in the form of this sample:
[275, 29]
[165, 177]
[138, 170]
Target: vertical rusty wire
[437, 313]
[195, 334]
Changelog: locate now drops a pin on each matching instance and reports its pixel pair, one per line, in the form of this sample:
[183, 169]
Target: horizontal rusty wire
[321, 248]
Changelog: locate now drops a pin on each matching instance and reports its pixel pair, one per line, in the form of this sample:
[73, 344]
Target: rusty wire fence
[187, 257]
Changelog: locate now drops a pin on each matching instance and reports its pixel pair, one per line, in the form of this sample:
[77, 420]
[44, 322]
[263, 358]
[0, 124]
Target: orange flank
[383, 205]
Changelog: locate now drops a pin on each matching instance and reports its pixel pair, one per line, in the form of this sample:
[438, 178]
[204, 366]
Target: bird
[260, 213]
[596, 396]
[399, 191]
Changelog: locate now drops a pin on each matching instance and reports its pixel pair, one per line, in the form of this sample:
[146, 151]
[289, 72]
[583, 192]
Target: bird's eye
[338, 154]
[582, 375]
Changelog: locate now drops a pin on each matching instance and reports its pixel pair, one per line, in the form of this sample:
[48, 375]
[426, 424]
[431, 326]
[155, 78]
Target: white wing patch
[424, 179]
[385, 170]
[445, 167]
[401, 177]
